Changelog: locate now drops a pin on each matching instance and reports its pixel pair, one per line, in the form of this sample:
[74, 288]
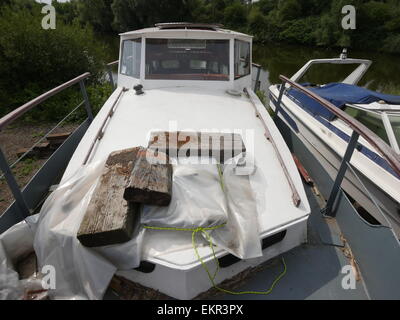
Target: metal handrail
[23, 207]
[110, 74]
[112, 63]
[386, 152]
[43, 138]
[12, 116]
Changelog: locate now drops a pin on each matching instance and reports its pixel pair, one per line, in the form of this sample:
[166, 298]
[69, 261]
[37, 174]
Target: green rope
[203, 231]
[212, 277]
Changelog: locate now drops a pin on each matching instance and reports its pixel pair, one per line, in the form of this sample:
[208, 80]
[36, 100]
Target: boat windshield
[371, 120]
[395, 122]
[187, 59]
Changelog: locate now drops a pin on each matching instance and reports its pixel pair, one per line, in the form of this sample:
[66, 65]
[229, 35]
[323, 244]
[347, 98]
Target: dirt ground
[12, 139]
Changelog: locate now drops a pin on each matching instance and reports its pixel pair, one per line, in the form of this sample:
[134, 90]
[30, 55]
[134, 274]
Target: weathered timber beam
[151, 179]
[109, 218]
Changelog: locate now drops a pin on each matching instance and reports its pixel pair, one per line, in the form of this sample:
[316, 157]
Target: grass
[28, 165]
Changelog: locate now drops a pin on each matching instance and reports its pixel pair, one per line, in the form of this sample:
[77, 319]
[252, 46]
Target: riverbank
[12, 139]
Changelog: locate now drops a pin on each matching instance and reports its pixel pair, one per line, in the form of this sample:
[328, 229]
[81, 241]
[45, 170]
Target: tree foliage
[34, 60]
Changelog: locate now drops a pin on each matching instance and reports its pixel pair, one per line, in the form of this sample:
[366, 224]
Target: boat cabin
[185, 54]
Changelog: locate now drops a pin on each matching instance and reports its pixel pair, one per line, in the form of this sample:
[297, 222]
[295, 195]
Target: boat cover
[339, 94]
[84, 273]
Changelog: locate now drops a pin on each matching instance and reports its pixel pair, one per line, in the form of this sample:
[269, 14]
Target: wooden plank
[44, 146]
[22, 151]
[42, 150]
[302, 170]
[151, 179]
[109, 218]
[222, 146]
[58, 138]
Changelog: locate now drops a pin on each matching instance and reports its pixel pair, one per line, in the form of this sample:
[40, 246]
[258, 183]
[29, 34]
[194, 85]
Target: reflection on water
[383, 75]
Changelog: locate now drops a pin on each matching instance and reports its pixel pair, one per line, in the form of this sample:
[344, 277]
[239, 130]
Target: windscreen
[187, 59]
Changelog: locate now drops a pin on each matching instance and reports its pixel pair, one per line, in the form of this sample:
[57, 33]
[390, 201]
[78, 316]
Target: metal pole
[257, 85]
[12, 183]
[278, 103]
[87, 102]
[327, 211]
[110, 76]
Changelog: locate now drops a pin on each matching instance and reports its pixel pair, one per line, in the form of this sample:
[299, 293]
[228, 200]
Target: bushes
[33, 60]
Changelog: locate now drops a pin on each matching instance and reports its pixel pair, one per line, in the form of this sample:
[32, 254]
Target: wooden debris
[42, 150]
[45, 149]
[22, 151]
[222, 146]
[42, 146]
[151, 179]
[109, 218]
[128, 290]
[302, 170]
[56, 139]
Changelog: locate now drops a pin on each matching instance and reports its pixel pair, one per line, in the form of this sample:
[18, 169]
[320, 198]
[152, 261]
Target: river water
[383, 75]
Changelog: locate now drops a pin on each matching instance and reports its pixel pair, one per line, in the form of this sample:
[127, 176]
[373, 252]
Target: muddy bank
[15, 138]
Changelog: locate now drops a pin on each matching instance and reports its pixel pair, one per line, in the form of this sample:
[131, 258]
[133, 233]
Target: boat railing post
[13, 185]
[86, 98]
[327, 211]
[279, 101]
[257, 84]
[110, 76]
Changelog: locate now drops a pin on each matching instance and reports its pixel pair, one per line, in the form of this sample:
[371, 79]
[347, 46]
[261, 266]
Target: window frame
[137, 74]
[390, 130]
[379, 115]
[235, 42]
[227, 76]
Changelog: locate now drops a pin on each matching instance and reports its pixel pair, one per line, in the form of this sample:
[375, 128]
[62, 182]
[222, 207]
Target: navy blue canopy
[339, 94]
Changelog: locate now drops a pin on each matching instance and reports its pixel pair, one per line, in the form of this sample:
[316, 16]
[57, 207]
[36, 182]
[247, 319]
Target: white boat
[370, 181]
[177, 77]
[208, 86]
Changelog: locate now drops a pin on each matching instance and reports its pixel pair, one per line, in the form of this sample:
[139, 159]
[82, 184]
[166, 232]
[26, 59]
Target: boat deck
[313, 269]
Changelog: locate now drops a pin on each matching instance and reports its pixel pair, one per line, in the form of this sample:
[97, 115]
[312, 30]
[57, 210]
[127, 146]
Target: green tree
[235, 15]
[33, 60]
[97, 13]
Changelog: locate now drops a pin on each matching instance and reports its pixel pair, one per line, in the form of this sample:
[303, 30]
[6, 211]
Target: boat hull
[185, 283]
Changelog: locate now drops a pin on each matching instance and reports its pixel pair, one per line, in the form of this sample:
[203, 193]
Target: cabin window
[187, 59]
[242, 59]
[131, 53]
[371, 120]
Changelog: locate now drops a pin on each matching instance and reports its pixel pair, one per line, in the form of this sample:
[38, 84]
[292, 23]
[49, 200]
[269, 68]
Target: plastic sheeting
[15, 243]
[197, 200]
[81, 273]
[241, 235]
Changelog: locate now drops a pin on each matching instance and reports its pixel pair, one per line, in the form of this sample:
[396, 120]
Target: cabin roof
[182, 28]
